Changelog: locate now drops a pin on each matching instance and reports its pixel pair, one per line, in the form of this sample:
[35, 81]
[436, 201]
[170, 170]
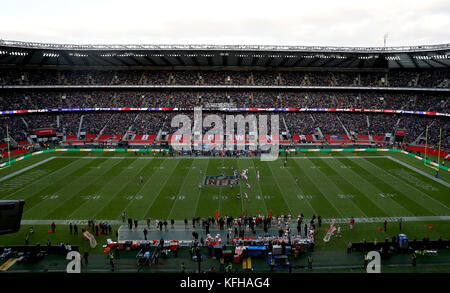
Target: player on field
[141, 179]
[285, 163]
[339, 233]
[200, 186]
[238, 196]
[296, 180]
[257, 174]
[352, 223]
[245, 196]
[248, 185]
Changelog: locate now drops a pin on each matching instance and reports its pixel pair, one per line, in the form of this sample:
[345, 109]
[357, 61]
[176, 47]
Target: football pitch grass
[370, 186]
[101, 185]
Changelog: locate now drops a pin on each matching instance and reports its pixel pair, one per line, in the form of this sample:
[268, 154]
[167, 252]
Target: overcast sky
[260, 22]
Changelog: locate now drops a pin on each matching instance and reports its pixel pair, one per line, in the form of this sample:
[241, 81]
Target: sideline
[180, 223]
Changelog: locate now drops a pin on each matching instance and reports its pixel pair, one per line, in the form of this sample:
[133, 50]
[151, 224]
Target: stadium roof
[44, 54]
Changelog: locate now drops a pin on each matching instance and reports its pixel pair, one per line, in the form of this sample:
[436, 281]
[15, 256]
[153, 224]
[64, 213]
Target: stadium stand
[352, 99]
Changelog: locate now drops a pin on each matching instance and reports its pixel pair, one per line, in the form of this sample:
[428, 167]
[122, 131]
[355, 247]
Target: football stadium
[233, 159]
[90, 146]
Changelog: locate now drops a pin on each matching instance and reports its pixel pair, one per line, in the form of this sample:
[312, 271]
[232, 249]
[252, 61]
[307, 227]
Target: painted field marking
[226, 158]
[420, 172]
[180, 222]
[25, 169]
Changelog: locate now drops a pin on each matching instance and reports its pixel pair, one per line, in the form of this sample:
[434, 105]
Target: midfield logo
[219, 181]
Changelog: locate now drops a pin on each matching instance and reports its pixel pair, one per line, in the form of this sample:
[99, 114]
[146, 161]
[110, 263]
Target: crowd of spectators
[392, 78]
[299, 123]
[306, 123]
[31, 100]
[68, 123]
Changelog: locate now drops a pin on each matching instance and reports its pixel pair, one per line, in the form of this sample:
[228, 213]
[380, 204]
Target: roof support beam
[66, 59]
[438, 62]
[166, 62]
[225, 60]
[102, 59]
[328, 61]
[136, 60]
[399, 64]
[298, 62]
[283, 62]
[413, 61]
[181, 61]
[27, 58]
[121, 61]
[43, 60]
[269, 60]
[195, 60]
[239, 61]
[311, 62]
[153, 63]
[341, 62]
[210, 61]
[254, 61]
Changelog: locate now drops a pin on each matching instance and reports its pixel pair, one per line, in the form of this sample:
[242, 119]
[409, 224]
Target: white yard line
[338, 220]
[51, 173]
[181, 189]
[338, 188]
[200, 193]
[410, 185]
[25, 169]
[260, 189]
[303, 193]
[318, 189]
[99, 192]
[140, 189]
[420, 172]
[64, 200]
[226, 158]
[161, 188]
[280, 189]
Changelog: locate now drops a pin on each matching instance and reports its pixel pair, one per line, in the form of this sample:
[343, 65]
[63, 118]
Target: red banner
[45, 131]
[400, 132]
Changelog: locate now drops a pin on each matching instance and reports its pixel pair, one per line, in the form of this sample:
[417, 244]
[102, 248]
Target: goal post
[426, 162]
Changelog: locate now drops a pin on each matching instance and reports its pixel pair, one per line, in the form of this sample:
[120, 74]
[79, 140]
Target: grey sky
[274, 22]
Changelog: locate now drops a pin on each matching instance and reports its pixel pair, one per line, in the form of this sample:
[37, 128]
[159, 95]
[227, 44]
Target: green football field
[101, 185]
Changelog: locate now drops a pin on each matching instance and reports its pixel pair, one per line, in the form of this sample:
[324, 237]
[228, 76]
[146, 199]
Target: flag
[91, 239]
[217, 215]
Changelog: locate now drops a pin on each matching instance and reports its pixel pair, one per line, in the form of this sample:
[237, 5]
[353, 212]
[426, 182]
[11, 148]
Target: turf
[72, 186]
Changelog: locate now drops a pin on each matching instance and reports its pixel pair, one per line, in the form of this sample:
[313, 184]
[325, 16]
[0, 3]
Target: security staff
[111, 261]
[222, 263]
[310, 260]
